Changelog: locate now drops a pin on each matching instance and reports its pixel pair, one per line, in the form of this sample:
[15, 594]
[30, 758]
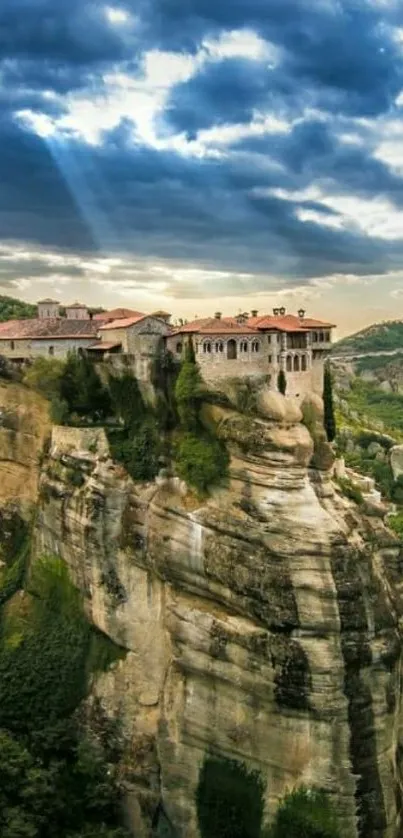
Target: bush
[45, 375]
[201, 461]
[397, 490]
[304, 813]
[229, 800]
[395, 522]
[329, 418]
[350, 491]
[282, 382]
[189, 391]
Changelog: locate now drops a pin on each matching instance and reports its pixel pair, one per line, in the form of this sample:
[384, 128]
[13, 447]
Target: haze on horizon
[204, 155]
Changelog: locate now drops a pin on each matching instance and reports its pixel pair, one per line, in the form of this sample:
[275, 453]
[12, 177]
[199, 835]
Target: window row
[296, 363]
[321, 337]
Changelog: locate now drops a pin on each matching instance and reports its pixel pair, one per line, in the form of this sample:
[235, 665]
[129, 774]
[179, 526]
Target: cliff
[263, 624]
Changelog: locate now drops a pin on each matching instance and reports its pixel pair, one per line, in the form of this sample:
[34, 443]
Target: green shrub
[139, 453]
[282, 382]
[329, 420]
[189, 391]
[395, 522]
[201, 461]
[82, 389]
[304, 813]
[350, 491]
[229, 800]
[45, 375]
[397, 490]
[127, 401]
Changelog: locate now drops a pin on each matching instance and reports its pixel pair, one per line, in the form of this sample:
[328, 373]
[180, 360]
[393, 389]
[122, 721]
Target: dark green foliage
[329, 420]
[201, 461]
[229, 800]
[395, 522]
[305, 813]
[53, 781]
[189, 391]
[82, 389]
[12, 309]
[281, 382]
[165, 372]
[45, 375]
[127, 401]
[365, 438]
[139, 451]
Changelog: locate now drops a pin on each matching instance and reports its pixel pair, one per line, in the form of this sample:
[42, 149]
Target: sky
[203, 155]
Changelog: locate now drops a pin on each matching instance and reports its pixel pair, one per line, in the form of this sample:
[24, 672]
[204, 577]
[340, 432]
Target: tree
[329, 418]
[229, 800]
[304, 812]
[189, 391]
[201, 461]
[45, 375]
[281, 382]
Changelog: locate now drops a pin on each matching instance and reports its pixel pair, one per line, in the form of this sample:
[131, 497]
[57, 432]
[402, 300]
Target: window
[327, 337]
[289, 363]
[303, 363]
[270, 359]
[278, 359]
[179, 348]
[12, 344]
[315, 337]
[278, 337]
[321, 337]
[268, 338]
[296, 363]
[51, 350]
[207, 346]
[255, 346]
[243, 346]
[219, 347]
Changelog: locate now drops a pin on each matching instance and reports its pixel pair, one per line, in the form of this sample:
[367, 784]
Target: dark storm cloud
[342, 52]
[339, 58]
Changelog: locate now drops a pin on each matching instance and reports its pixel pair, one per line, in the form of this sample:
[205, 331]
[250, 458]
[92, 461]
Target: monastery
[247, 345]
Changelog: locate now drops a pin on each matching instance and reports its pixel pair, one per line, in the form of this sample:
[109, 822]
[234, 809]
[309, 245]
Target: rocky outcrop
[262, 624]
[24, 429]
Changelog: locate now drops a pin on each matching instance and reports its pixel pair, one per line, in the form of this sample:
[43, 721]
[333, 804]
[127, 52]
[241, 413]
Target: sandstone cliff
[263, 624]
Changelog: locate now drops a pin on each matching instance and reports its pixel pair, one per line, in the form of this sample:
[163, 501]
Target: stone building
[48, 334]
[259, 346]
[77, 311]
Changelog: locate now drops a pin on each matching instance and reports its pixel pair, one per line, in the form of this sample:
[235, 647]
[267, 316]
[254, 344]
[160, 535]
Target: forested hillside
[13, 309]
[380, 337]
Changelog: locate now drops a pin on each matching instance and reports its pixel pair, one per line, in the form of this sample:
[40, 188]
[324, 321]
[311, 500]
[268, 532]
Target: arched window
[303, 363]
[207, 346]
[243, 346]
[219, 347]
[179, 348]
[296, 363]
[255, 346]
[289, 363]
[12, 344]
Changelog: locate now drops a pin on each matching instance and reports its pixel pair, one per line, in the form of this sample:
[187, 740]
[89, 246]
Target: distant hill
[381, 337]
[12, 309]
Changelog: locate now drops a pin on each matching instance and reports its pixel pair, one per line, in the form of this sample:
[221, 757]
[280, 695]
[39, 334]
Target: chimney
[301, 313]
[217, 315]
[281, 311]
[254, 312]
[275, 312]
[241, 318]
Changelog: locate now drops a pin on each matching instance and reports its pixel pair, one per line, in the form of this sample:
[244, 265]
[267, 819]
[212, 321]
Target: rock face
[262, 625]
[24, 429]
[396, 460]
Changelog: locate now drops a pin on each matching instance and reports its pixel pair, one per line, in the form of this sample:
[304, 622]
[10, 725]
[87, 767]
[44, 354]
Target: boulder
[396, 460]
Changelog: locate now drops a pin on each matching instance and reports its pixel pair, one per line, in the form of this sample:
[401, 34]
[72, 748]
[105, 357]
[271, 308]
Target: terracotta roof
[103, 346]
[216, 326]
[124, 323]
[287, 323]
[117, 314]
[49, 327]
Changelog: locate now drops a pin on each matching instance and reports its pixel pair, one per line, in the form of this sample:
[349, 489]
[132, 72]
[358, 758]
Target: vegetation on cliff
[200, 458]
[329, 417]
[54, 780]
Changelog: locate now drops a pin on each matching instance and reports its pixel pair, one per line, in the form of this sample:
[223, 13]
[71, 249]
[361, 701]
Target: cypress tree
[282, 382]
[329, 418]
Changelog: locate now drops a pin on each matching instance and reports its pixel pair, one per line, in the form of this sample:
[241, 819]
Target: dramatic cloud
[200, 150]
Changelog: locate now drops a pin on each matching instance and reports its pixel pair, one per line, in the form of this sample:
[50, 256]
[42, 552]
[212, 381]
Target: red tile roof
[287, 323]
[216, 326]
[49, 327]
[117, 314]
[124, 323]
[103, 346]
